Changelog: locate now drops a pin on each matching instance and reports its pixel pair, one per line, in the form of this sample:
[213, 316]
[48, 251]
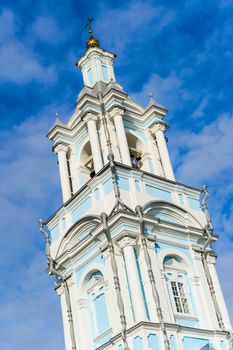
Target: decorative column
[84, 326]
[154, 153]
[211, 261]
[61, 150]
[127, 245]
[116, 114]
[158, 130]
[199, 305]
[94, 141]
[208, 314]
[65, 316]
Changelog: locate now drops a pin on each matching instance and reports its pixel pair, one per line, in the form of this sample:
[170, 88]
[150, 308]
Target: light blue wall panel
[158, 193]
[223, 346]
[63, 223]
[191, 343]
[167, 218]
[137, 343]
[173, 343]
[105, 72]
[153, 341]
[81, 209]
[137, 185]
[54, 233]
[97, 193]
[96, 259]
[194, 203]
[101, 314]
[108, 186]
[123, 183]
[187, 323]
[181, 198]
[90, 77]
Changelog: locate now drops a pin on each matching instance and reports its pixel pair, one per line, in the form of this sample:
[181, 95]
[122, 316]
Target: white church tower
[131, 248]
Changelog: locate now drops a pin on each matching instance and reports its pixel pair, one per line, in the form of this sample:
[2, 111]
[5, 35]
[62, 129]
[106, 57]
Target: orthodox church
[131, 248]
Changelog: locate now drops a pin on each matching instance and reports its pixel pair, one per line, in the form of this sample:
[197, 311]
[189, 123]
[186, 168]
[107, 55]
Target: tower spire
[91, 42]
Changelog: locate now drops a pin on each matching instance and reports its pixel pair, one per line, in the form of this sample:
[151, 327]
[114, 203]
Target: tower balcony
[136, 187]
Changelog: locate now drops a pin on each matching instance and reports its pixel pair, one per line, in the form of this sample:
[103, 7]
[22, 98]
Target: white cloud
[168, 91]
[46, 29]
[18, 62]
[136, 21]
[29, 189]
[199, 111]
[205, 156]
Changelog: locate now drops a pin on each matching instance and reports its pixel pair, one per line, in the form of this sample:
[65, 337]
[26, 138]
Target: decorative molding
[116, 111]
[82, 303]
[211, 259]
[197, 255]
[70, 280]
[61, 147]
[126, 241]
[60, 289]
[158, 126]
[91, 116]
[194, 280]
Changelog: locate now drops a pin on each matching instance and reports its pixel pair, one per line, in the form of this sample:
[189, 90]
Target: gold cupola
[91, 42]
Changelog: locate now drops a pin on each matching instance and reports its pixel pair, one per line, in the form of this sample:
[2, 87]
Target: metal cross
[88, 25]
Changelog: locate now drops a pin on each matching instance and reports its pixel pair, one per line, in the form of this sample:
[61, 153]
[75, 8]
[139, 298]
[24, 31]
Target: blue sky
[181, 51]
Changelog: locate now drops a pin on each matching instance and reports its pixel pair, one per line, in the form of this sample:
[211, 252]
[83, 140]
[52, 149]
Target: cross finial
[88, 25]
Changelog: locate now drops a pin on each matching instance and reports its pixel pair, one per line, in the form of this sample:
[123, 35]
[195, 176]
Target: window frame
[179, 276]
[95, 290]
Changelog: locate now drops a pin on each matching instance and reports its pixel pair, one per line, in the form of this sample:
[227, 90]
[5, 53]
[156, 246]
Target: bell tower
[130, 247]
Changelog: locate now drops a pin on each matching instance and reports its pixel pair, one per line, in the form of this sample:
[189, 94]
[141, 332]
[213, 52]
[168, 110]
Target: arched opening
[176, 273]
[94, 292]
[138, 152]
[86, 163]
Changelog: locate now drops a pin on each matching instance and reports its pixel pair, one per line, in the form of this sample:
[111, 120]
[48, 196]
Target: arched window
[176, 276]
[86, 163]
[138, 153]
[95, 289]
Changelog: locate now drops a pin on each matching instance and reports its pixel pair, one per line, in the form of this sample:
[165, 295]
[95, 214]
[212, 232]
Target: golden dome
[92, 42]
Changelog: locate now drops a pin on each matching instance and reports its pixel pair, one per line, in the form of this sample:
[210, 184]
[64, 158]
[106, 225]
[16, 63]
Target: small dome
[92, 42]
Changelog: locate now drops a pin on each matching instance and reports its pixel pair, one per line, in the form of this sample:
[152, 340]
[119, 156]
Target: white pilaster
[66, 327]
[158, 130]
[94, 141]
[116, 114]
[154, 153]
[208, 313]
[85, 324]
[211, 260]
[127, 245]
[61, 151]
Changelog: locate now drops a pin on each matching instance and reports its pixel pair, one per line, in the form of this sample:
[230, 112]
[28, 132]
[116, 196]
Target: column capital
[126, 241]
[60, 147]
[90, 116]
[117, 110]
[194, 280]
[70, 279]
[82, 303]
[211, 259]
[60, 288]
[158, 126]
[197, 254]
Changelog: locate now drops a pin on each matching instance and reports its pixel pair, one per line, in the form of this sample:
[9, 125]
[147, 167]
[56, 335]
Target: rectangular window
[90, 77]
[180, 299]
[105, 72]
